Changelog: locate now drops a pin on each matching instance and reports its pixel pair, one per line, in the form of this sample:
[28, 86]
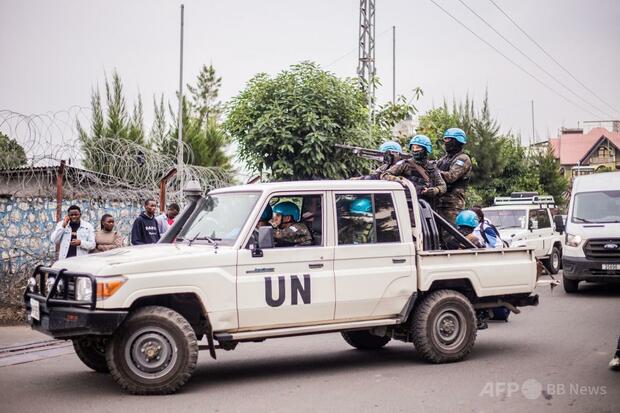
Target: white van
[592, 243]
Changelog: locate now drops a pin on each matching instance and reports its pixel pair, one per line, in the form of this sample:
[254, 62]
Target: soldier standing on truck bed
[389, 147]
[423, 174]
[455, 168]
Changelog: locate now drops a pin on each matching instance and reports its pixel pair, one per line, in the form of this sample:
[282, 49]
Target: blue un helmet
[390, 146]
[423, 141]
[267, 213]
[287, 208]
[457, 134]
[467, 218]
[361, 206]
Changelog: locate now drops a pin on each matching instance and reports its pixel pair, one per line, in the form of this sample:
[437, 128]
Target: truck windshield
[596, 207]
[506, 218]
[219, 218]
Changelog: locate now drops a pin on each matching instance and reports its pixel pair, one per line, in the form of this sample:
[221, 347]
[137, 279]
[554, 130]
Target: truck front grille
[602, 248]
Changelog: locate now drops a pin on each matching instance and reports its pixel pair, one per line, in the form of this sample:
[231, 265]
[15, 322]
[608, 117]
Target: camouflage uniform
[455, 170]
[435, 186]
[290, 235]
[357, 230]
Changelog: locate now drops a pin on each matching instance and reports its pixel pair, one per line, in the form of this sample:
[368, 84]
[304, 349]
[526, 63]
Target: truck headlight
[83, 289]
[573, 240]
[106, 287]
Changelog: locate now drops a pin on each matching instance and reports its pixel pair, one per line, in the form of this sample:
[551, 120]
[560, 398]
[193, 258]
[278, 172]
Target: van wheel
[91, 351]
[570, 286]
[444, 327]
[363, 340]
[153, 352]
[554, 261]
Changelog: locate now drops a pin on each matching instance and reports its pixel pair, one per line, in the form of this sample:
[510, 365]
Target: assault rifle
[388, 158]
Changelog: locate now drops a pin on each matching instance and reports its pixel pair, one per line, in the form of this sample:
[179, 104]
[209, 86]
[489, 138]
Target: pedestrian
[106, 238]
[74, 235]
[165, 220]
[145, 229]
[455, 168]
[486, 231]
[419, 170]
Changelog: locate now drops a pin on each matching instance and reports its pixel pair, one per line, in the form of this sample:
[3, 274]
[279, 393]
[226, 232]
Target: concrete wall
[26, 224]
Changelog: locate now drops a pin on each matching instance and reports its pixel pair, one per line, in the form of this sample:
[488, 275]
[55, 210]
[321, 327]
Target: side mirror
[265, 240]
[560, 226]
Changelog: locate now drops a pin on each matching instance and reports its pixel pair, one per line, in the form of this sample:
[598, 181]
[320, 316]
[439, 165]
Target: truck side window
[366, 219]
[543, 219]
[305, 228]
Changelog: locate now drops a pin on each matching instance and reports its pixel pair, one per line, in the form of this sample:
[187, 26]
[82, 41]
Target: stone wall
[26, 224]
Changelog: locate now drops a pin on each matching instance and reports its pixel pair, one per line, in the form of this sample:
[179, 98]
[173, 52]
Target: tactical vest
[417, 180]
[444, 165]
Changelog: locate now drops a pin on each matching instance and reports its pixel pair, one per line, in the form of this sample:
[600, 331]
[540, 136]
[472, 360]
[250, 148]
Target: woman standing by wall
[107, 238]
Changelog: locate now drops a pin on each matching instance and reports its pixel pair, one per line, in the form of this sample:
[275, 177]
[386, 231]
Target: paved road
[553, 357]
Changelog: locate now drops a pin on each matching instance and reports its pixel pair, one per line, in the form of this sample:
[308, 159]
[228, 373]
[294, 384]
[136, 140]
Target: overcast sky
[53, 52]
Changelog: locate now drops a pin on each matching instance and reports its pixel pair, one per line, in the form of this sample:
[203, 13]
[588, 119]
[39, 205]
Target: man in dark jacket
[145, 229]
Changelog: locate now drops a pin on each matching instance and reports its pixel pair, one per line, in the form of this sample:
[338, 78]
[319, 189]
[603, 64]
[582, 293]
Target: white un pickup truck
[375, 271]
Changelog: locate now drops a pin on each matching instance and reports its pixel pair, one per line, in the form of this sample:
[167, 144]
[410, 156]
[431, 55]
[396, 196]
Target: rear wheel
[570, 286]
[153, 352]
[444, 327]
[91, 351]
[364, 340]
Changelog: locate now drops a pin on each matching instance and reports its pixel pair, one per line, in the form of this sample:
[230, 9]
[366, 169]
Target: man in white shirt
[75, 236]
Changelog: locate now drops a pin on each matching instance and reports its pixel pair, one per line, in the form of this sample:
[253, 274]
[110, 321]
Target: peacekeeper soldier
[423, 174]
[356, 228]
[466, 223]
[455, 168]
[391, 146]
[288, 231]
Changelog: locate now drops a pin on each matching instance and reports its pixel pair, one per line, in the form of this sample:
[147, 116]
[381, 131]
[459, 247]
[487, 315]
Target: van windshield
[596, 207]
[219, 218]
[506, 218]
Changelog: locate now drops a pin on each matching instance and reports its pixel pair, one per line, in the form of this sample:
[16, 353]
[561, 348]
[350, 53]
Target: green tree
[287, 126]
[112, 128]
[12, 154]
[204, 139]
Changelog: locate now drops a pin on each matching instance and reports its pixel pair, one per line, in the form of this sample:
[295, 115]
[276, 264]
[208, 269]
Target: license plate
[611, 266]
[35, 312]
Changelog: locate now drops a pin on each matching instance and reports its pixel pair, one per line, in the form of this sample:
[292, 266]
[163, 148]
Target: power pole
[366, 55]
[533, 128]
[394, 65]
[180, 120]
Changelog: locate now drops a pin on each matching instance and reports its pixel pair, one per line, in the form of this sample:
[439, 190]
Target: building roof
[572, 148]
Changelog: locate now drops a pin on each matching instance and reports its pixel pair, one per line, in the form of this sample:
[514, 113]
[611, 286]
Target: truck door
[546, 230]
[373, 262]
[289, 284]
[535, 237]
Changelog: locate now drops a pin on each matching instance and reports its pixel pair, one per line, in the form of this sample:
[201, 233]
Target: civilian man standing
[75, 236]
[145, 230]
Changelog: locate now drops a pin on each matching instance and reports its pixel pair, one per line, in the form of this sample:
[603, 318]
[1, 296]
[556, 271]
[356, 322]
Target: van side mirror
[560, 226]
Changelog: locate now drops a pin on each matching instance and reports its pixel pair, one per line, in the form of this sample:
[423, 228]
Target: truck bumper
[584, 269]
[68, 322]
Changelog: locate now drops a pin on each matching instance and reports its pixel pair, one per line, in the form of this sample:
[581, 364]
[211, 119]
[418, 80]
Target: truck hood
[150, 258]
[512, 234]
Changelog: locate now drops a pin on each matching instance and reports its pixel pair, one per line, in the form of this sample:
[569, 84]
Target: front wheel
[444, 327]
[363, 340]
[554, 261]
[154, 352]
[570, 286]
[91, 351]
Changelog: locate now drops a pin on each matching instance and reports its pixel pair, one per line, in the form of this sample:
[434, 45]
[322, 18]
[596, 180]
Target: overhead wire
[512, 61]
[553, 58]
[533, 61]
